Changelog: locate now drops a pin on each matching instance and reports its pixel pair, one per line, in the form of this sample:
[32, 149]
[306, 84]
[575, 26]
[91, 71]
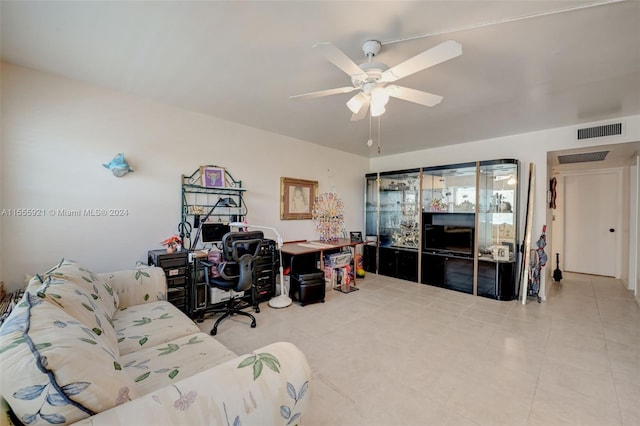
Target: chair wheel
[214, 332]
[253, 324]
[257, 309]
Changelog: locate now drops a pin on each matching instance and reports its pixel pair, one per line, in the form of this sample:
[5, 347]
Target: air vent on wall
[584, 157]
[612, 129]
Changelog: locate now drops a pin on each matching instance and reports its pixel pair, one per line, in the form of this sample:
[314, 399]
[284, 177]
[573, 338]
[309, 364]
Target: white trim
[634, 225]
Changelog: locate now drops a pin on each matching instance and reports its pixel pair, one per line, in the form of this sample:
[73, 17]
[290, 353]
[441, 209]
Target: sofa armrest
[137, 286]
[271, 386]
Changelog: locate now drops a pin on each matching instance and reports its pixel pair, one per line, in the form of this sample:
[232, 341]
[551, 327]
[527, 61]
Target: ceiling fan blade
[339, 59]
[321, 93]
[412, 95]
[442, 52]
[362, 112]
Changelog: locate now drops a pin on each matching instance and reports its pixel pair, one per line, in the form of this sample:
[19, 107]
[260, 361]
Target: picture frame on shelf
[212, 177]
[510, 248]
[501, 252]
[356, 236]
[296, 198]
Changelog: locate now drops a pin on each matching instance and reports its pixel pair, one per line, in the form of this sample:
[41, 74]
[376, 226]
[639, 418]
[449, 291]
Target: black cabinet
[497, 280]
[176, 270]
[398, 263]
[370, 261]
[199, 289]
[451, 272]
[433, 270]
[266, 265]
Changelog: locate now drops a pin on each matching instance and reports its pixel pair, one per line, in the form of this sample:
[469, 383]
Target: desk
[308, 247]
[303, 247]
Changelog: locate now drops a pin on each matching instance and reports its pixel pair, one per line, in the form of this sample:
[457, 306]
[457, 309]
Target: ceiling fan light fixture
[379, 99]
[356, 102]
[377, 109]
[379, 96]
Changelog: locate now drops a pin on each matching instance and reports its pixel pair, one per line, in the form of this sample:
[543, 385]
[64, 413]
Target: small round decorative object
[360, 273]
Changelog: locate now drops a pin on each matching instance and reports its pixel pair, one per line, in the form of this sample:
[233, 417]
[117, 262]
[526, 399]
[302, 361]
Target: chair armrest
[137, 286]
[229, 393]
[221, 267]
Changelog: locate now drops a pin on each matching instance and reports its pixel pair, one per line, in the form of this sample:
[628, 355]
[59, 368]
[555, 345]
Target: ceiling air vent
[612, 129]
[584, 157]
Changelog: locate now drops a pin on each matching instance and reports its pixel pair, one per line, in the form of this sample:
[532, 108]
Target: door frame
[619, 249]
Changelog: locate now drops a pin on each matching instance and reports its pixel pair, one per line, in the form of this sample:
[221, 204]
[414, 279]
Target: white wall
[528, 148]
[56, 133]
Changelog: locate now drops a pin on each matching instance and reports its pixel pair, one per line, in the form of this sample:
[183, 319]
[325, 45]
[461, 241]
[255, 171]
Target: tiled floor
[400, 353]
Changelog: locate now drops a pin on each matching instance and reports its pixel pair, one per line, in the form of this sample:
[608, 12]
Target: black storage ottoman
[306, 281]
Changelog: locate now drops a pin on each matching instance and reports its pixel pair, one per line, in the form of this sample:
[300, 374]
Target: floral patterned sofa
[107, 349]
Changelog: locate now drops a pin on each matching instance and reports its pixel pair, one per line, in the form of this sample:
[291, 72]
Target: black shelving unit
[198, 201]
[176, 270]
[392, 218]
[266, 265]
[454, 226]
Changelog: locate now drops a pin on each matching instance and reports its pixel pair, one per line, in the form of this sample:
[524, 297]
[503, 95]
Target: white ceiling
[241, 60]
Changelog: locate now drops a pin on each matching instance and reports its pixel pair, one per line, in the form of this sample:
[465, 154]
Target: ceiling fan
[371, 79]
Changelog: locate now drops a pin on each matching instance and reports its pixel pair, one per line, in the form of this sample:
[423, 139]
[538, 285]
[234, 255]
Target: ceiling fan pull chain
[370, 140]
[379, 149]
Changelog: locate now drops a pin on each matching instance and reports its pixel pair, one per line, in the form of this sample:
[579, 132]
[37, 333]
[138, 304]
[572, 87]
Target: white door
[592, 222]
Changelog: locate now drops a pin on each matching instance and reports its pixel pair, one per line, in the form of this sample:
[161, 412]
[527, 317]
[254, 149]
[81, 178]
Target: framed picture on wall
[296, 198]
[212, 177]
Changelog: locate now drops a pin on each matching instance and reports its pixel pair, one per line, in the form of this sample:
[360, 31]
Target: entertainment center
[452, 226]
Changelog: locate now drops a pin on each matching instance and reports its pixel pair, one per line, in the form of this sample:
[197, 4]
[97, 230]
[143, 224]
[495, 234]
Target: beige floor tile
[405, 354]
[585, 352]
[556, 405]
[629, 401]
[566, 375]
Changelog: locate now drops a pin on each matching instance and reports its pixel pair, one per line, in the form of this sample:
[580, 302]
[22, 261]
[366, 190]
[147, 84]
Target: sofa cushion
[101, 290]
[151, 324]
[81, 302]
[54, 369]
[137, 286]
[157, 366]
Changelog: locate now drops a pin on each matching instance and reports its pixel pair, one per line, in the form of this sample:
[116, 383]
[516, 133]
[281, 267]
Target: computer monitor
[212, 232]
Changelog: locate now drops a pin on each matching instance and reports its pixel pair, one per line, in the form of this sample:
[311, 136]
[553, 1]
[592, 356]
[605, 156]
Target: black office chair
[236, 272]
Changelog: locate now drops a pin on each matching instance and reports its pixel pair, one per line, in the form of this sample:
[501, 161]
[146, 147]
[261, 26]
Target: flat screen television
[449, 233]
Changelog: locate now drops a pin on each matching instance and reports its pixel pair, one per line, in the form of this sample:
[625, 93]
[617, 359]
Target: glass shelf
[497, 220]
[449, 189]
[392, 208]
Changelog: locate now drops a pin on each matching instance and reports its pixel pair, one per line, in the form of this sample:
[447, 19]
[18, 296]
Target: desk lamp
[223, 202]
[282, 300]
